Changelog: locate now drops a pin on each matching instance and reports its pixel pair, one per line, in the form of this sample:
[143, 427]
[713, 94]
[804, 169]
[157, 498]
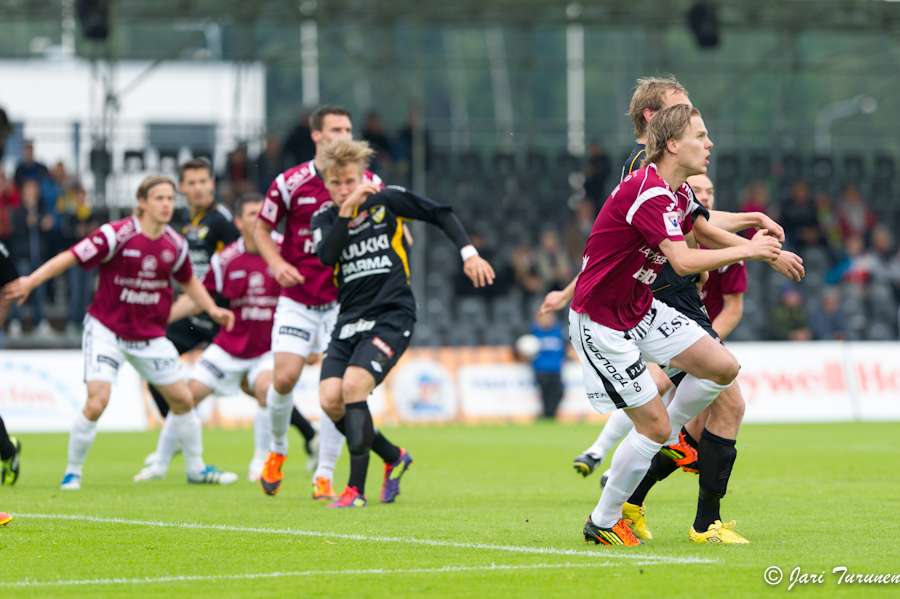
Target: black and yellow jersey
[209, 231]
[369, 252]
[8, 272]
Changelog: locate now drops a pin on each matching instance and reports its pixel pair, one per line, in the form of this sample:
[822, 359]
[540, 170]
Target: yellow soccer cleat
[638, 524]
[718, 533]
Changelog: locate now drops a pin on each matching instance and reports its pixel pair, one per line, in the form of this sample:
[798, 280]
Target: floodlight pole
[836, 111]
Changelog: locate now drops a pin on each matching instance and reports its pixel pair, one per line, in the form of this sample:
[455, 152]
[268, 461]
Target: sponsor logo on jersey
[377, 342]
[672, 222]
[368, 246]
[358, 220]
[85, 250]
[237, 274]
[365, 267]
[301, 201]
[98, 239]
[377, 213]
[256, 279]
[636, 369]
[376, 367]
[166, 363]
[352, 328]
[130, 253]
[216, 372]
[294, 332]
[295, 180]
[269, 209]
[149, 263]
[167, 256]
[101, 359]
[258, 314]
[141, 298]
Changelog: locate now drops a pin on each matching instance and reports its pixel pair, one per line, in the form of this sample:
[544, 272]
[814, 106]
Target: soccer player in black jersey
[361, 236]
[714, 229]
[9, 446]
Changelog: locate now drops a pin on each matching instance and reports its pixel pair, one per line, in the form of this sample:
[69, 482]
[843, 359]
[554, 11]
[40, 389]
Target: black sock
[7, 449]
[386, 450]
[302, 425]
[359, 432]
[715, 456]
[341, 425]
[660, 467]
[161, 404]
[687, 437]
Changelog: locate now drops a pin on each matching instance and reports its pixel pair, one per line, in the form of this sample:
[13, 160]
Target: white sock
[629, 465]
[262, 434]
[166, 446]
[280, 408]
[331, 443]
[81, 437]
[691, 398]
[188, 432]
[618, 425]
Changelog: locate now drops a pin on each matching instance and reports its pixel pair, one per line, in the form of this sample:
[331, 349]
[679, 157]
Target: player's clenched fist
[223, 317]
[287, 275]
[764, 247]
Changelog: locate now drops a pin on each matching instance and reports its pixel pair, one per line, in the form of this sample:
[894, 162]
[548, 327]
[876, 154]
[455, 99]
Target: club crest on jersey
[256, 279]
[149, 263]
[670, 219]
[167, 256]
[202, 232]
[377, 213]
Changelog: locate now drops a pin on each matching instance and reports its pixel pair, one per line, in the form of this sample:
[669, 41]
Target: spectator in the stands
[9, 201]
[237, 169]
[799, 218]
[28, 249]
[504, 276]
[788, 322]
[373, 132]
[29, 168]
[596, 173]
[299, 146]
[829, 224]
[77, 223]
[402, 149]
[854, 214]
[524, 266]
[828, 321]
[269, 164]
[5, 130]
[578, 229]
[853, 267]
[756, 199]
[552, 265]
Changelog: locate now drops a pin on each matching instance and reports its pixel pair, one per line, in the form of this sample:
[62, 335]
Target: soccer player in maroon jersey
[127, 319]
[307, 308]
[239, 274]
[615, 322]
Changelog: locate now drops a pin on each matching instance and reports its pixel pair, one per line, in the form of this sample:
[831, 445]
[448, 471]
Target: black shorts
[372, 343]
[690, 305]
[190, 332]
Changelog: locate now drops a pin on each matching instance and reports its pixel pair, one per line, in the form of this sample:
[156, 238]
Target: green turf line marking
[605, 553]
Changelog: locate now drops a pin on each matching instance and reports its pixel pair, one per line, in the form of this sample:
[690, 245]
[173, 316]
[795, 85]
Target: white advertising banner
[42, 391]
[874, 369]
[423, 390]
[506, 391]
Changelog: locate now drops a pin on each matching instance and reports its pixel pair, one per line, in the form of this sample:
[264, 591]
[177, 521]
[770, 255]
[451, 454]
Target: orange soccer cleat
[271, 473]
[322, 490]
[619, 534]
[682, 454]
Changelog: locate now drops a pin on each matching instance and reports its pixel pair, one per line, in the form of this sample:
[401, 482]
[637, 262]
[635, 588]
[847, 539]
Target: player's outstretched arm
[788, 264]
[557, 300]
[286, 274]
[731, 314]
[54, 267]
[198, 293]
[687, 261]
[735, 222]
[183, 307]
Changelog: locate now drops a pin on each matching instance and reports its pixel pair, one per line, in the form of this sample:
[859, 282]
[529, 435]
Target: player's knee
[353, 389]
[95, 406]
[726, 370]
[284, 381]
[659, 432]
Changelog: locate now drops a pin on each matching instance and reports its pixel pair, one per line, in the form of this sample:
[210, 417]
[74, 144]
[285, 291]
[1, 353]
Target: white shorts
[615, 371]
[156, 360]
[300, 329]
[222, 372]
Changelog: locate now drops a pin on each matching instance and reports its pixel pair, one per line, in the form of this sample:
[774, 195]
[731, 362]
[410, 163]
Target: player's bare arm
[478, 269]
[731, 314]
[788, 263]
[557, 300]
[357, 197]
[286, 274]
[687, 261]
[54, 267]
[738, 221]
[183, 307]
[198, 293]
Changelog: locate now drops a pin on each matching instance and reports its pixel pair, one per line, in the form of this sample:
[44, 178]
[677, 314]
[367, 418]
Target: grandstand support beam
[417, 159]
[309, 60]
[459, 109]
[503, 103]
[575, 81]
[836, 111]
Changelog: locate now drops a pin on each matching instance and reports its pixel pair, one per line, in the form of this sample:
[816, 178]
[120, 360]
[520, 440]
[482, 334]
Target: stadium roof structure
[844, 15]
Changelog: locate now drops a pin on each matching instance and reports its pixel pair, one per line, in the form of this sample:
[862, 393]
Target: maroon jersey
[134, 293]
[250, 284]
[728, 280]
[299, 193]
[622, 256]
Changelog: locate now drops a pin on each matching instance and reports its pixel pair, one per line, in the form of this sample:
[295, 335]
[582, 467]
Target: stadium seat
[134, 161]
[426, 336]
[507, 310]
[884, 167]
[854, 168]
[497, 334]
[881, 303]
[437, 314]
[473, 311]
[462, 335]
[881, 331]
[536, 163]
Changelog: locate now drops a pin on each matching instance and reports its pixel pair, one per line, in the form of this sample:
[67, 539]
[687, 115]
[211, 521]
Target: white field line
[445, 569]
[311, 533]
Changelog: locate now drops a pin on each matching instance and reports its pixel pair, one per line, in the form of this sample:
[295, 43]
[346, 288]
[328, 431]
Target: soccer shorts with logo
[371, 343]
[615, 371]
[222, 372]
[301, 330]
[688, 303]
[190, 332]
[156, 360]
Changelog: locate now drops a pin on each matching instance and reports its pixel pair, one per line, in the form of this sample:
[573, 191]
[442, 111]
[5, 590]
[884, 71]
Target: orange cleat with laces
[322, 490]
[619, 534]
[271, 476]
[682, 454]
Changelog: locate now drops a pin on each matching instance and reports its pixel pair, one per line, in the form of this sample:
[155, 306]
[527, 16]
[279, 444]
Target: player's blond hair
[344, 152]
[651, 92]
[143, 190]
[668, 123]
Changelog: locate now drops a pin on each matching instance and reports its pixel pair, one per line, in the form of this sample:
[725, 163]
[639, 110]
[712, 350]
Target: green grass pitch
[500, 509]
